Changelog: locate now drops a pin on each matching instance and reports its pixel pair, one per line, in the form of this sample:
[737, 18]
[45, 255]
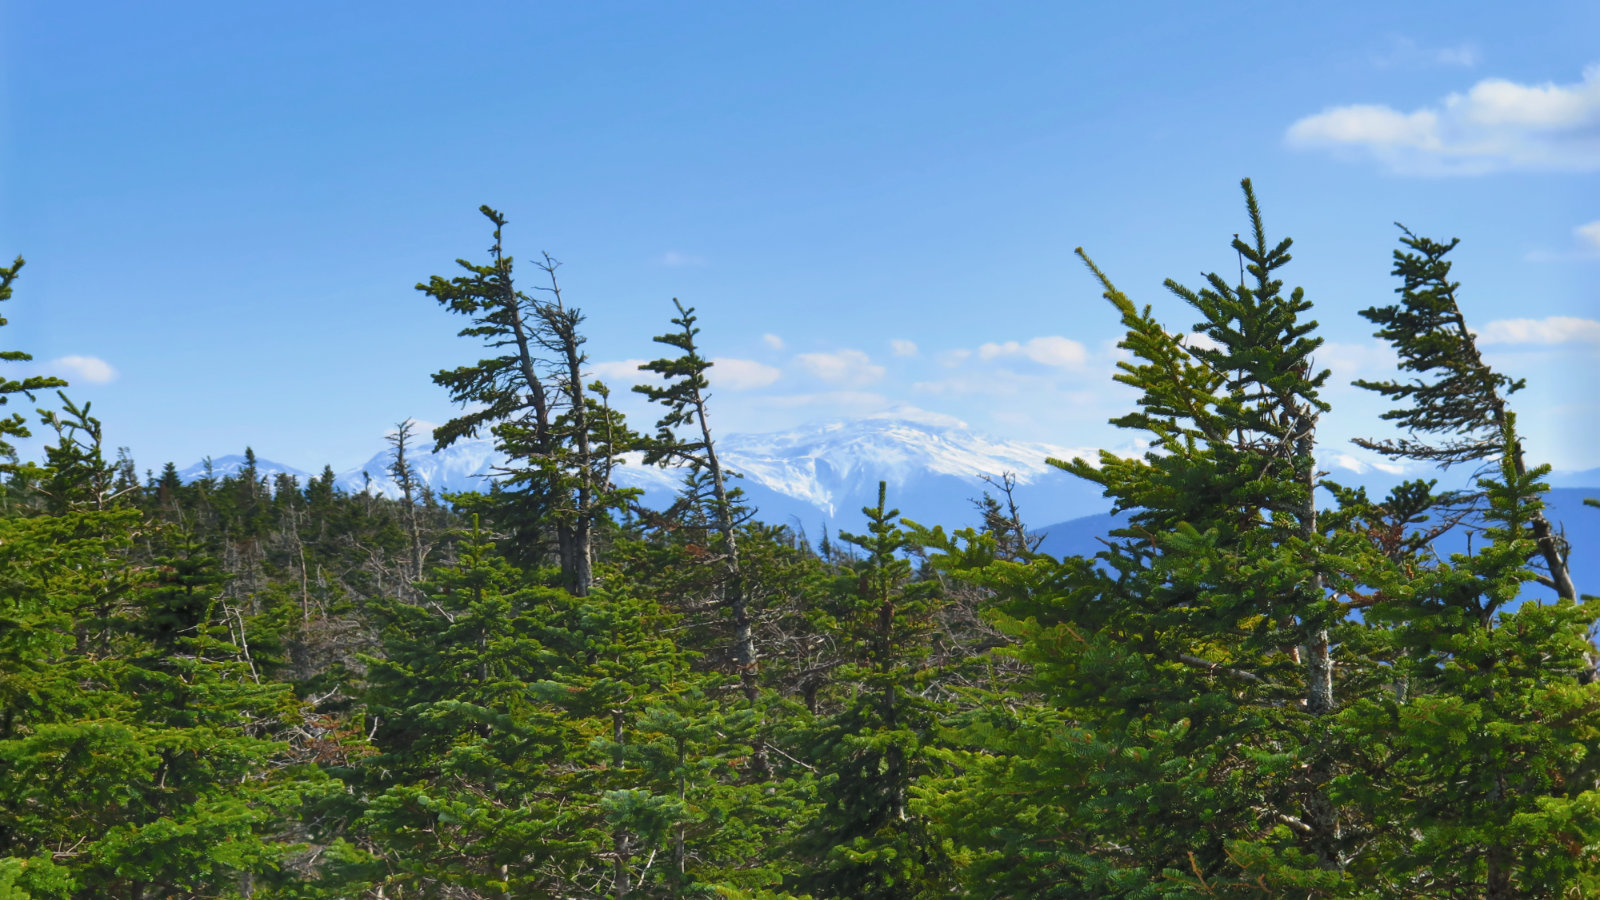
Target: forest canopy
[1264, 684]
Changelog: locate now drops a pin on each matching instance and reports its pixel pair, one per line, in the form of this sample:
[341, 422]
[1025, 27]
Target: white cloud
[773, 341]
[1002, 382]
[1359, 466]
[1589, 235]
[679, 260]
[847, 401]
[903, 347]
[621, 370]
[1497, 125]
[84, 368]
[842, 367]
[1551, 330]
[952, 358]
[1586, 236]
[1403, 51]
[1049, 351]
[1372, 360]
[741, 374]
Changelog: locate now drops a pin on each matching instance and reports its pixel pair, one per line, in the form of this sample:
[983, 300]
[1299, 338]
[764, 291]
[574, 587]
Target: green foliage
[1455, 396]
[141, 750]
[248, 687]
[871, 745]
[557, 431]
[15, 425]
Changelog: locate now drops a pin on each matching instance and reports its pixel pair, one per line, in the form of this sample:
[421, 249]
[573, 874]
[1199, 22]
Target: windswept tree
[684, 396]
[1454, 407]
[532, 398]
[1493, 696]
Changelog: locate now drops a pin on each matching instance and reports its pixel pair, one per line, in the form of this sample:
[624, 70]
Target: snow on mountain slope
[233, 464]
[815, 474]
[465, 466]
[822, 474]
[830, 464]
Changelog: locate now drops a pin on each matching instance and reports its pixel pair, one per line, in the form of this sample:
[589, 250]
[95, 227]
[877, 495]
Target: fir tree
[706, 485]
[1454, 396]
[871, 747]
[533, 398]
[1188, 745]
[1492, 697]
[143, 756]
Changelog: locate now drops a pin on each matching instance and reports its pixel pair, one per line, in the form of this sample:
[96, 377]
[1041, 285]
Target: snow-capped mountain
[818, 475]
[233, 464]
[822, 474]
[934, 466]
[465, 466]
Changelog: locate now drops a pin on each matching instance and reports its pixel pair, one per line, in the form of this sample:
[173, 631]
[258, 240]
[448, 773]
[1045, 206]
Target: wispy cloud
[1349, 361]
[1589, 236]
[1550, 330]
[902, 347]
[842, 367]
[1587, 239]
[741, 374]
[1403, 51]
[773, 341]
[621, 370]
[852, 402]
[1050, 350]
[83, 368]
[1497, 125]
[678, 260]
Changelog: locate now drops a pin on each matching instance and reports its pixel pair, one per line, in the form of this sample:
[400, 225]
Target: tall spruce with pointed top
[1188, 742]
[1228, 575]
[871, 743]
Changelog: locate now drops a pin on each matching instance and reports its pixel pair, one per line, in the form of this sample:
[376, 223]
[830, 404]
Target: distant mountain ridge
[1564, 506]
[818, 475]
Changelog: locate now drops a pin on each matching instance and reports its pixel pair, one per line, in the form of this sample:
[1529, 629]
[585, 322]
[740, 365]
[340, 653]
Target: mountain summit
[819, 474]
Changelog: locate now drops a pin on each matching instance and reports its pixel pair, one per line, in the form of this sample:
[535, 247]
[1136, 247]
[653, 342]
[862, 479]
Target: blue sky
[225, 207]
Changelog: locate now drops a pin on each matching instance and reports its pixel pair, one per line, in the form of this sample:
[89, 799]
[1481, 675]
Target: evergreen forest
[1267, 684]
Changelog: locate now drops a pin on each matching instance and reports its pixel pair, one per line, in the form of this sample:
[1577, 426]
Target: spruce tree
[1189, 744]
[870, 745]
[1454, 398]
[532, 396]
[1492, 696]
[143, 755]
[707, 491]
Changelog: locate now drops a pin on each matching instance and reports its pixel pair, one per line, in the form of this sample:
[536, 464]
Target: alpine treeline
[1267, 684]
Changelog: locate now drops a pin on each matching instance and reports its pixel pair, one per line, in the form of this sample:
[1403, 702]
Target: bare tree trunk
[562, 327]
[1321, 813]
[744, 644]
[404, 477]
